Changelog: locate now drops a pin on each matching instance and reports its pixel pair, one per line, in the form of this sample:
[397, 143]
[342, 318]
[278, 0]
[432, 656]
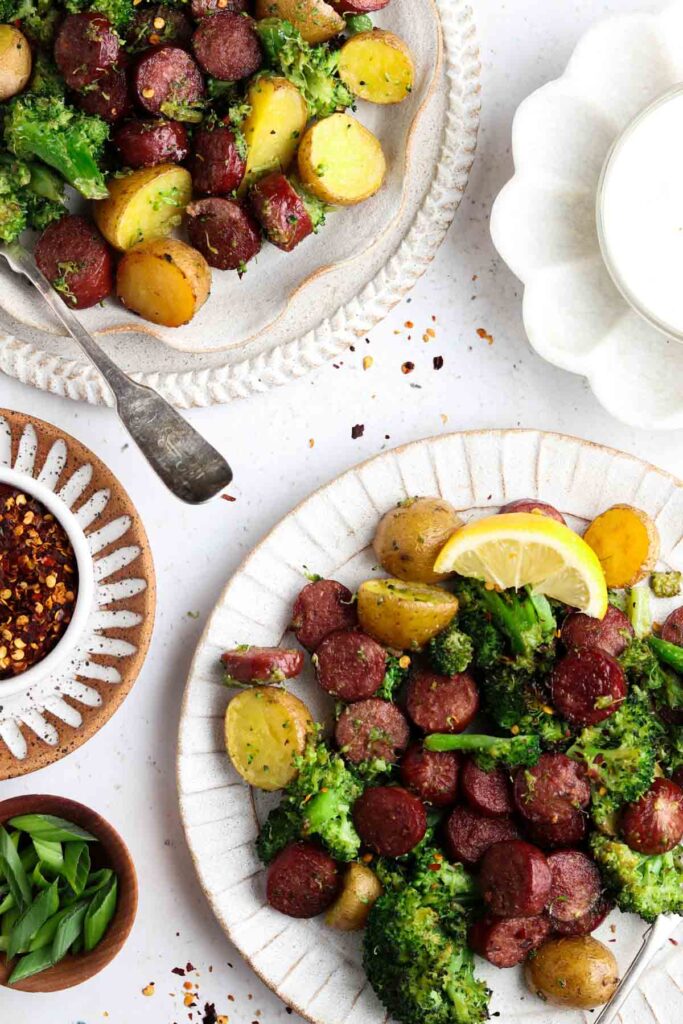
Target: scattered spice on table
[148, 990]
[429, 334]
[367, 362]
[409, 324]
[484, 335]
[311, 442]
[228, 497]
[408, 367]
[444, 418]
[437, 362]
[357, 431]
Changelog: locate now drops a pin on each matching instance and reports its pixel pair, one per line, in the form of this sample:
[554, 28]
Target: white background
[127, 770]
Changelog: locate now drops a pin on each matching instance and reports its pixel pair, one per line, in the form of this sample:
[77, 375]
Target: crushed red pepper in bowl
[38, 581]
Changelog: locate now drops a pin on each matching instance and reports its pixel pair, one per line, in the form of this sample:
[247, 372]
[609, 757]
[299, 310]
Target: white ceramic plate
[312, 968]
[292, 312]
[543, 222]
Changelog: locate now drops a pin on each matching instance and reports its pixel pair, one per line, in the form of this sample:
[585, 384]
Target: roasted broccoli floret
[48, 129]
[641, 884]
[517, 699]
[491, 618]
[669, 654]
[118, 12]
[312, 69]
[394, 678]
[46, 79]
[31, 196]
[451, 651]
[490, 751]
[446, 887]
[38, 19]
[666, 584]
[318, 803]
[356, 23]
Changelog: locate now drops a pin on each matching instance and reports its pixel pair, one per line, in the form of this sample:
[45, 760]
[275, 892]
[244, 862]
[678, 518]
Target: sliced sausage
[677, 777]
[569, 831]
[204, 8]
[587, 686]
[654, 824]
[350, 665]
[217, 166]
[515, 879]
[148, 143]
[358, 6]
[262, 664]
[302, 881]
[157, 25]
[168, 81]
[533, 505]
[612, 634]
[281, 211]
[507, 941]
[224, 232]
[552, 790]
[489, 793]
[390, 820]
[576, 886]
[76, 261]
[108, 97]
[227, 46]
[432, 774]
[320, 608]
[442, 703]
[372, 728]
[469, 835]
[86, 47]
[587, 923]
[672, 630]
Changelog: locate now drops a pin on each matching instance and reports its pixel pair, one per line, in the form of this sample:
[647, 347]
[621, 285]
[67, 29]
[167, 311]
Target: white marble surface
[127, 771]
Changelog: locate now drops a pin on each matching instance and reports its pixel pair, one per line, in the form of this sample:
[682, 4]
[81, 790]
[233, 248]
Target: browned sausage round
[227, 46]
[350, 665]
[156, 25]
[262, 664]
[612, 634]
[569, 831]
[217, 167]
[372, 728]
[167, 81]
[469, 835]
[587, 923]
[358, 6]
[552, 790]
[302, 881]
[432, 774]
[148, 143]
[76, 261]
[320, 608]
[587, 686]
[576, 885]
[390, 820]
[489, 793]
[654, 824]
[672, 630]
[85, 47]
[677, 777]
[532, 505]
[281, 211]
[507, 941]
[108, 97]
[442, 703]
[204, 8]
[224, 232]
[515, 879]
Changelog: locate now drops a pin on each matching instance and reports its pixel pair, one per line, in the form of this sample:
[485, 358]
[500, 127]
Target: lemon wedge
[517, 549]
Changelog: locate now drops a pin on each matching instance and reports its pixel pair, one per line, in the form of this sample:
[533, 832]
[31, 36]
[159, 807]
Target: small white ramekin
[61, 652]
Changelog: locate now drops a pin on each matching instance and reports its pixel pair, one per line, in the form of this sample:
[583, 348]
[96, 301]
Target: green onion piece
[99, 915]
[32, 963]
[68, 930]
[13, 870]
[48, 826]
[34, 917]
[49, 852]
[77, 866]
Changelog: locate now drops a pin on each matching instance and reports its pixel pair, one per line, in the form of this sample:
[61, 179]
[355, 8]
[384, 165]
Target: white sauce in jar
[640, 213]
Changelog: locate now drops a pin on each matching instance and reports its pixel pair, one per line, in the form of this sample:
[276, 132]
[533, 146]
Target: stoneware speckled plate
[292, 312]
[46, 721]
[312, 968]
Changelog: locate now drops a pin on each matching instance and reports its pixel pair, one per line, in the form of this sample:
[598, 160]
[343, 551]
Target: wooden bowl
[110, 852]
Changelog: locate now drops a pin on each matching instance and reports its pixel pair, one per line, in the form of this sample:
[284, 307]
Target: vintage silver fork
[654, 939]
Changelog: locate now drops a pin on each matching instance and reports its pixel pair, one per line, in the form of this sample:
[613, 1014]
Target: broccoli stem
[670, 654]
[489, 751]
[638, 611]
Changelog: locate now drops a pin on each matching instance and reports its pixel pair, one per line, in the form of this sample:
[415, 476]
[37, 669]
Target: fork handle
[653, 940]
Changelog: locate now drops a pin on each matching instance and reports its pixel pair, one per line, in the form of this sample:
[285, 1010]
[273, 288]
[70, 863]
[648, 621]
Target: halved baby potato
[265, 728]
[404, 615]
[361, 888]
[377, 66]
[315, 19]
[143, 205]
[165, 281]
[626, 541]
[15, 61]
[410, 536]
[341, 161]
[273, 127]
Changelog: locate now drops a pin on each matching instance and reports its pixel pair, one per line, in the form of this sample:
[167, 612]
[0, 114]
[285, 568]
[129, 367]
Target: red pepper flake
[357, 431]
[437, 362]
[210, 1015]
[188, 966]
[484, 334]
[673, 942]
[180, 971]
[408, 367]
[228, 497]
[409, 324]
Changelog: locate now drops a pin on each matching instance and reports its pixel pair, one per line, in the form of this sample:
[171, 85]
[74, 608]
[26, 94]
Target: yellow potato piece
[626, 541]
[143, 205]
[15, 61]
[410, 536]
[377, 66]
[341, 161]
[265, 727]
[404, 615]
[273, 127]
[577, 971]
[361, 888]
[165, 281]
[315, 19]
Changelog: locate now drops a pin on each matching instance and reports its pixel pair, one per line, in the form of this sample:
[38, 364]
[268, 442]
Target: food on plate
[157, 24]
[218, 160]
[341, 161]
[152, 142]
[666, 584]
[580, 972]
[38, 582]
[316, 20]
[15, 61]
[360, 890]
[53, 899]
[286, 211]
[248, 664]
[410, 536]
[377, 66]
[205, 8]
[85, 48]
[626, 541]
[143, 205]
[76, 260]
[513, 843]
[276, 121]
[165, 280]
[358, 6]
[227, 46]
[224, 231]
[108, 97]
[168, 82]
[265, 729]
[539, 508]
